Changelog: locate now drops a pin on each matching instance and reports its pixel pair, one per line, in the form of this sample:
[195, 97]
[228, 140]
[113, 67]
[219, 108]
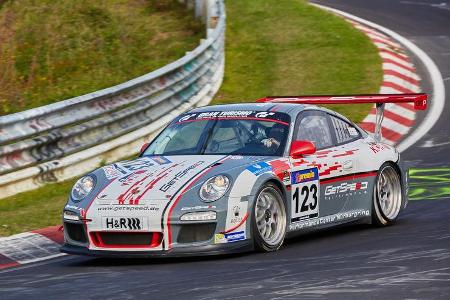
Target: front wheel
[387, 196]
[269, 219]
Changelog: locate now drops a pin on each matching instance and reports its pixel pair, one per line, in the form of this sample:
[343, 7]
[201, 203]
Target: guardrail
[65, 139]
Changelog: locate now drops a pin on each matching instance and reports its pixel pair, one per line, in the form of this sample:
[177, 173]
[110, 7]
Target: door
[318, 180]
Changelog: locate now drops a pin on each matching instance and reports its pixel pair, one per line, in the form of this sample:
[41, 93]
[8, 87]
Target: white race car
[239, 177]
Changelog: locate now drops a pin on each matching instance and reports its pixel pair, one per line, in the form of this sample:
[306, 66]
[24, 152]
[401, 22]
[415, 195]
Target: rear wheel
[269, 219]
[387, 196]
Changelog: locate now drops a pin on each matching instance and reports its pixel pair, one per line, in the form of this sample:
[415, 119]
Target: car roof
[291, 109]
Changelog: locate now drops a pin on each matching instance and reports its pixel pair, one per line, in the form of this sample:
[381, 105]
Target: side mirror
[300, 148]
[143, 148]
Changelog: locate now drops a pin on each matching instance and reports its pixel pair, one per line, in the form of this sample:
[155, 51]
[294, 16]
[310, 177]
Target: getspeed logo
[346, 187]
[304, 175]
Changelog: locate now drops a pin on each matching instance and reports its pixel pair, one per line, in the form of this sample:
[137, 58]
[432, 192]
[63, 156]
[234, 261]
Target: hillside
[53, 50]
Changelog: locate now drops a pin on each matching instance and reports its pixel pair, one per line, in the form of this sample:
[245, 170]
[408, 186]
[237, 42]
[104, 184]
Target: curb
[33, 246]
[437, 101]
[399, 76]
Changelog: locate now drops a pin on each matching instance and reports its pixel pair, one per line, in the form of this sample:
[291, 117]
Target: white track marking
[394, 58]
[438, 99]
[397, 80]
[389, 66]
[29, 247]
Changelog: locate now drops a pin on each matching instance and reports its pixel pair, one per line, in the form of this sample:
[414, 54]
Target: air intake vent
[75, 232]
[191, 233]
[126, 239]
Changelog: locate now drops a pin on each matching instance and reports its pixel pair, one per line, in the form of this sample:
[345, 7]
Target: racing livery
[240, 177]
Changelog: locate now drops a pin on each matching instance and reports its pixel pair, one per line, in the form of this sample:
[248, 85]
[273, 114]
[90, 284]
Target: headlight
[214, 188]
[82, 188]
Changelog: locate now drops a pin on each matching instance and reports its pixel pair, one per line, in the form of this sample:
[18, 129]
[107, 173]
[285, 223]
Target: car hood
[159, 178]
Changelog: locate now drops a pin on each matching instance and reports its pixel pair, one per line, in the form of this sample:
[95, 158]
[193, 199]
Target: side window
[313, 126]
[344, 131]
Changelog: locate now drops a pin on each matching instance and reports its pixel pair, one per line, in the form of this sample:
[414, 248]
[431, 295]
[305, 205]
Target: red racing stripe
[396, 54]
[348, 177]
[390, 61]
[397, 87]
[386, 132]
[395, 117]
[402, 76]
[237, 226]
[53, 233]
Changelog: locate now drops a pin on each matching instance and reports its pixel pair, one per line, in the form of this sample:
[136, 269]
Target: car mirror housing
[300, 148]
[143, 148]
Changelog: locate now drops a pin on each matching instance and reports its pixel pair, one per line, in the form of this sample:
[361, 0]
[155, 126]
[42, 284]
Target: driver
[274, 136]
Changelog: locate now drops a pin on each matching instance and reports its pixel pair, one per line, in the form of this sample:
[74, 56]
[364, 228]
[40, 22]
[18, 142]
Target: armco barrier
[67, 138]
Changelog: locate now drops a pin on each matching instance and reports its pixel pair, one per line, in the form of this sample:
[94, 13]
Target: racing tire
[269, 221]
[387, 196]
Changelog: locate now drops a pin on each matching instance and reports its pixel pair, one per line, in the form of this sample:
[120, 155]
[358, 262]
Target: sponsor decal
[235, 157]
[234, 114]
[378, 147]
[199, 207]
[306, 175]
[111, 172]
[116, 223]
[127, 208]
[347, 165]
[165, 187]
[187, 117]
[161, 160]
[264, 114]
[260, 168]
[137, 164]
[353, 214]
[346, 188]
[237, 217]
[222, 238]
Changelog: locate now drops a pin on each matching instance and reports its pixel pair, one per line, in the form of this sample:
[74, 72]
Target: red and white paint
[30, 247]
[399, 77]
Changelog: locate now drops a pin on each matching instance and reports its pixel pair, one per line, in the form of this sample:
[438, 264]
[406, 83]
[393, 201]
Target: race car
[241, 177]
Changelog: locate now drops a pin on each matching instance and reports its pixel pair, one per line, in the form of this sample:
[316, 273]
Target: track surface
[408, 260]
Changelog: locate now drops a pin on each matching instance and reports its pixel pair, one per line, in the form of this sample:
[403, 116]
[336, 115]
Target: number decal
[305, 190]
[305, 199]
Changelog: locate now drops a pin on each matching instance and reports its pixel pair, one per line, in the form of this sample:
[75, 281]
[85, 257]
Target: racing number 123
[305, 193]
[305, 202]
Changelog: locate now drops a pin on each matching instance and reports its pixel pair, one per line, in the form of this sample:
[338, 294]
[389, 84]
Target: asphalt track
[409, 260]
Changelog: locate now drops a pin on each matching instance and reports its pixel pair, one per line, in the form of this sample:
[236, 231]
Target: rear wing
[419, 100]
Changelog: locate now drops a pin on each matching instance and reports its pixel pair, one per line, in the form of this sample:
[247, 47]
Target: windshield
[208, 133]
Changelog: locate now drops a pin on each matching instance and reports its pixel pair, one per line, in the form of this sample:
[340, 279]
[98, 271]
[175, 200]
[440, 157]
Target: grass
[273, 47]
[31, 210]
[54, 50]
[287, 47]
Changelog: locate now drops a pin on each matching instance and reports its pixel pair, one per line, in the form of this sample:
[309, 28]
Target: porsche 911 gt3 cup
[240, 177]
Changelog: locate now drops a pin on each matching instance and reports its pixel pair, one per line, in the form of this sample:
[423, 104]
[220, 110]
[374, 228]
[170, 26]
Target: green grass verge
[273, 47]
[34, 209]
[53, 50]
[287, 47]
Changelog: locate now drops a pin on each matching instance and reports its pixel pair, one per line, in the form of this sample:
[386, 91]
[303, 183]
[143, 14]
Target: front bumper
[217, 249]
[187, 241]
